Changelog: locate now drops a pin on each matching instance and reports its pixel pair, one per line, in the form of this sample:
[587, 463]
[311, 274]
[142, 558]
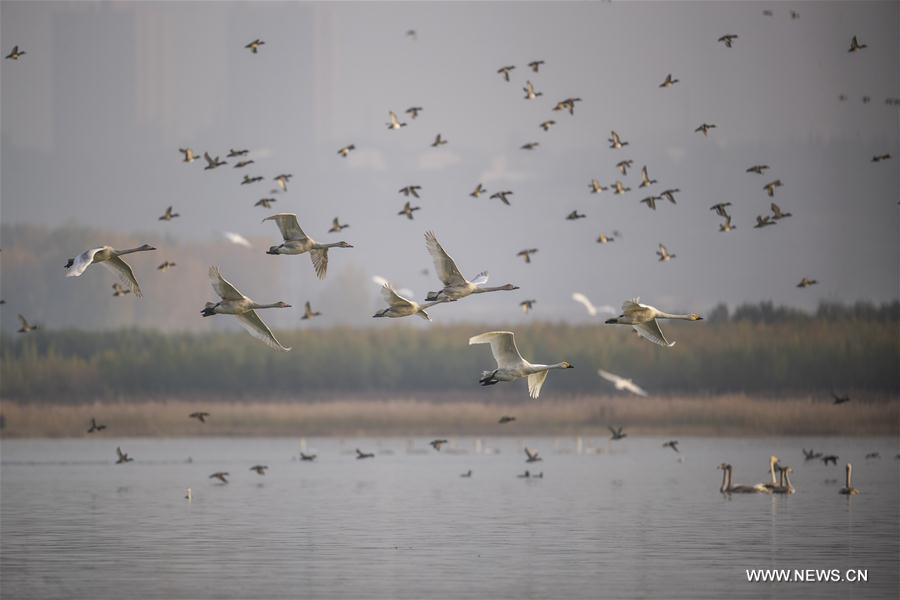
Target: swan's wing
[536, 382]
[236, 238]
[579, 297]
[379, 280]
[289, 227]
[631, 305]
[611, 377]
[651, 331]
[320, 261]
[503, 347]
[23, 322]
[634, 388]
[481, 278]
[392, 297]
[446, 268]
[123, 270]
[82, 262]
[255, 327]
[222, 287]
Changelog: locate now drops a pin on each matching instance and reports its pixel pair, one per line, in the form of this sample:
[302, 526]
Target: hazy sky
[93, 115]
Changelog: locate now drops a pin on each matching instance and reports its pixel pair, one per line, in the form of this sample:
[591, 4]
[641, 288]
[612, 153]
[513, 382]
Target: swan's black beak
[271, 251]
[70, 263]
[611, 321]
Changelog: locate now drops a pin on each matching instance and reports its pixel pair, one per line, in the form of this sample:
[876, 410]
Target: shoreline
[706, 416]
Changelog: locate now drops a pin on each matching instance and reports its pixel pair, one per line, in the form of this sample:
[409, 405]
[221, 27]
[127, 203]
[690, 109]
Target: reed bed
[410, 415]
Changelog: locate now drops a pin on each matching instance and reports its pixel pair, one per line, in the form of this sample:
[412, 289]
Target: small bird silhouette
[504, 71]
[221, 476]
[526, 254]
[728, 39]
[345, 151]
[617, 433]
[260, 469]
[169, 215]
[95, 427]
[254, 48]
[200, 416]
[532, 456]
[506, 419]
[122, 457]
[407, 210]
[436, 444]
[15, 54]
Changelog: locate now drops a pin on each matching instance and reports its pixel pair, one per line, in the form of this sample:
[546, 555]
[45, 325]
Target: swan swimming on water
[510, 364]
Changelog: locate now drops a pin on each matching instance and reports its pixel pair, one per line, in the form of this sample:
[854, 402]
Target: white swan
[297, 242]
[642, 318]
[400, 306]
[235, 303]
[621, 383]
[510, 364]
[109, 258]
[456, 286]
[381, 282]
[848, 489]
[589, 306]
[237, 239]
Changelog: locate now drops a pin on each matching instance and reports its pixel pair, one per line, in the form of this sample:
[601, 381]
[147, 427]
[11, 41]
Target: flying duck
[663, 253]
[247, 179]
[505, 71]
[254, 48]
[596, 187]
[243, 163]
[546, 125]
[505, 419]
[410, 190]
[336, 226]
[413, 111]
[763, 221]
[169, 215]
[26, 326]
[212, 163]
[575, 215]
[200, 416]
[530, 146]
[436, 444]
[532, 456]
[232, 153]
[16, 53]
[438, 141]
[728, 39]
[265, 202]
[220, 475]
[645, 179]
[527, 305]
[777, 214]
[704, 129]
[407, 210]
[309, 313]
[189, 155]
[770, 187]
[526, 254]
[615, 142]
[530, 94]
[669, 82]
[395, 122]
[166, 265]
[260, 469]
[345, 151]
[536, 65]
[623, 166]
[502, 196]
[855, 46]
[617, 434]
[478, 191]
[95, 427]
[122, 457]
[360, 454]
[758, 169]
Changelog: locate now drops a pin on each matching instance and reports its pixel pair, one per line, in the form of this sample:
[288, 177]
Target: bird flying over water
[189, 155]
[165, 265]
[122, 457]
[504, 71]
[247, 179]
[345, 151]
[25, 326]
[169, 215]
[776, 212]
[254, 45]
[502, 196]
[720, 208]
[535, 65]
[532, 456]
[527, 305]
[410, 190]
[546, 125]
[413, 111]
[395, 122]
[596, 187]
[728, 39]
[615, 142]
[645, 178]
[855, 46]
[95, 427]
[771, 186]
[668, 82]
[617, 433]
[840, 399]
[505, 419]
[336, 226]
[309, 313]
[456, 287]
[805, 283]
[643, 319]
[243, 163]
[233, 302]
[526, 254]
[221, 476]
[664, 254]
[623, 166]
[673, 444]
[408, 209]
[530, 94]
[478, 191]
[200, 416]
[297, 242]
[111, 259]
[212, 163]
[511, 365]
[437, 444]
[438, 141]
[15, 54]
[260, 469]
[360, 454]
[763, 221]
[621, 383]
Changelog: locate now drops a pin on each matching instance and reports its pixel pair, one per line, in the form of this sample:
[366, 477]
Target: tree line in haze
[758, 349]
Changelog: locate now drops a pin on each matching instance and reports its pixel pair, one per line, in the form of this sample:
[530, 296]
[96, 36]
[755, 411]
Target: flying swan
[643, 317]
[456, 286]
[297, 242]
[621, 383]
[235, 303]
[510, 364]
[109, 258]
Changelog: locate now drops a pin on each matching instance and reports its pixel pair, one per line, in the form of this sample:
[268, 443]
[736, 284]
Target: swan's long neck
[786, 481]
[255, 306]
[664, 315]
[481, 290]
[724, 487]
[538, 368]
[772, 462]
[131, 250]
[728, 470]
[849, 474]
[327, 246]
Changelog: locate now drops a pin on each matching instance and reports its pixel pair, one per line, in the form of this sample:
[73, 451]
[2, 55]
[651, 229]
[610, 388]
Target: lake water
[622, 520]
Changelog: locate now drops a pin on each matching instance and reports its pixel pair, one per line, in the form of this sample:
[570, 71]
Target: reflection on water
[627, 520]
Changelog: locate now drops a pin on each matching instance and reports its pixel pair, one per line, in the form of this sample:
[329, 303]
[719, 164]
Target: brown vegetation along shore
[709, 415]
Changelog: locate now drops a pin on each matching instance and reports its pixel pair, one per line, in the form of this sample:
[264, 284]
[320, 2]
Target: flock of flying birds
[510, 365]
